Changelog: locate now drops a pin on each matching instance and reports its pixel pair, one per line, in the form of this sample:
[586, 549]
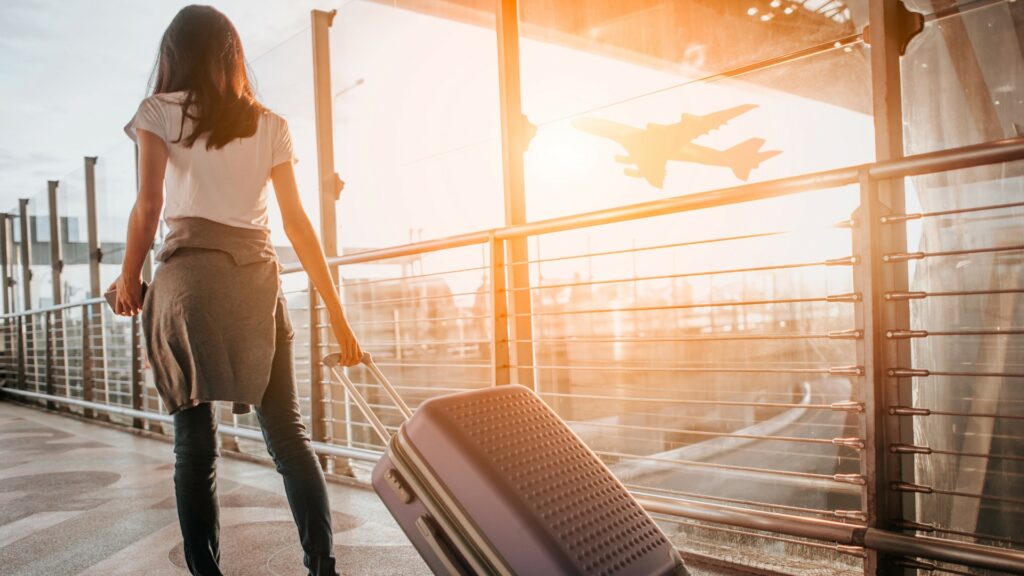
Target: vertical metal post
[136, 377]
[316, 377]
[513, 123]
[56, 263]
[95, 280]
[329, 185]
[873, 278]
[865, 281]
[20, 328]
[500, 365]
[26, 254]
[886, 94]
[8, 347]
[322, 102]
[5, 260]
[10, 285]
[514, 130]
[100, 370]
[13, 325]
[329, 182]
[86, 360]
[26, 321]
[877, 199]
[48, 358]
[55, 332]
[91, 222]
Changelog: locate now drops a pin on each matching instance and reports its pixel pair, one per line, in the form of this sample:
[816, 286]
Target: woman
[215, 320]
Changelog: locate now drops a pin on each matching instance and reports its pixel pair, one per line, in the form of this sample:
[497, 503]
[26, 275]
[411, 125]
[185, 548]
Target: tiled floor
[89, 500]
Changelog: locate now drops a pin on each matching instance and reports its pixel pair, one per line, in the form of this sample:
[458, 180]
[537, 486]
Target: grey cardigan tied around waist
[211, 314]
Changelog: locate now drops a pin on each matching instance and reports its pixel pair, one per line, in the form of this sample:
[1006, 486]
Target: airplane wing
[621, 133]
[648, 155]
[691, 126]
[650, 170]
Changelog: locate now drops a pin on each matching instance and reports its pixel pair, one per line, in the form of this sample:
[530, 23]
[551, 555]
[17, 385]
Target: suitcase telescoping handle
[331, 361]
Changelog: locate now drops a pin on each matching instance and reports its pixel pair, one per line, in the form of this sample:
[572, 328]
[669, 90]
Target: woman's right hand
[350, 352]
[129, 295]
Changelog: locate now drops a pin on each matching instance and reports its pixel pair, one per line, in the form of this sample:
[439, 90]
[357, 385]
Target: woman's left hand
[129, 295]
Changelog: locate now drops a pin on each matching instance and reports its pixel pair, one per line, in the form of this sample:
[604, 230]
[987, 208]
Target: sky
[72, 73]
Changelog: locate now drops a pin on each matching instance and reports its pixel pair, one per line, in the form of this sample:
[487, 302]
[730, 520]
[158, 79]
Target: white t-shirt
[228, 185]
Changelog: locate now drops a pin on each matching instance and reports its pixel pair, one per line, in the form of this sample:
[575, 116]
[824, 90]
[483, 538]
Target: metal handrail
[843, 533]
[991, 152]
[840, 532]
[225, 429]
[801, 526]
[54, 308]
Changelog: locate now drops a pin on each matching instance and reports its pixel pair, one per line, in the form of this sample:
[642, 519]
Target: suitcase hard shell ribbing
[492, 481]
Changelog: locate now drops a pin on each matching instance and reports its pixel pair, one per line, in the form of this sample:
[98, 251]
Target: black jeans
[195, 481]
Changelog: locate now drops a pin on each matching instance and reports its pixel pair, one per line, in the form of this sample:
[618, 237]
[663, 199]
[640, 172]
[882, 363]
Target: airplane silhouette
[650, 149]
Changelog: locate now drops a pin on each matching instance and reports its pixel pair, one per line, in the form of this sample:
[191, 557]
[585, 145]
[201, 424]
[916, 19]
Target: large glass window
[283, 78]
[74, 237]
[39, 241]
[416, 121]
[638, 101]
[700, 354]
[970, 327]
[115, 195]
[963, 78]
[16, 290]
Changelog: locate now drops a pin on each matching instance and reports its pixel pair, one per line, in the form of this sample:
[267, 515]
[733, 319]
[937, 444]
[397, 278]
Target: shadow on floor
[89, 500]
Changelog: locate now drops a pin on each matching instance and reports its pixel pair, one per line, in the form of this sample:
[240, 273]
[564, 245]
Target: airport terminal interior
[764, 258]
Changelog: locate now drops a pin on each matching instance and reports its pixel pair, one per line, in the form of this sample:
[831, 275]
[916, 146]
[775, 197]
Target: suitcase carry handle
[331, 361]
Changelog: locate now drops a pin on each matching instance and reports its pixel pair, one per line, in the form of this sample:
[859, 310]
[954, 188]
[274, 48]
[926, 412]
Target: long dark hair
[201, 53]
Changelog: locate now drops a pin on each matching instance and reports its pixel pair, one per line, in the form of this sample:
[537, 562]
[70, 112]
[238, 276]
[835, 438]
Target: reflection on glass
[971, 63]
[971, 286]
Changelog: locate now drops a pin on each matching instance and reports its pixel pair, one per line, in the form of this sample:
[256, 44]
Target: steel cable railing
[433, 342]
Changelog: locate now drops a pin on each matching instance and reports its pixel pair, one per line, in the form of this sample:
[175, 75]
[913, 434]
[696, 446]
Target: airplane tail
[747, 155]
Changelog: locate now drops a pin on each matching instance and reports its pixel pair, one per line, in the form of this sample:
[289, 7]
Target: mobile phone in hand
[111, 296]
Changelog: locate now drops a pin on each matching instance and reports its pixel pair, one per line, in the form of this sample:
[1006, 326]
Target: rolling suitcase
[492, 481]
